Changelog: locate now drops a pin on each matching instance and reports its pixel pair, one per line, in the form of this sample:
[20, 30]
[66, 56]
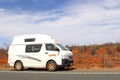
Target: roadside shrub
[118, 47]
[93, 49]
[106, 61]
[109, 51]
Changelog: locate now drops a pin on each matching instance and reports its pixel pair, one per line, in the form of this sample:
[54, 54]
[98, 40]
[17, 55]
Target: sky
[71, 22]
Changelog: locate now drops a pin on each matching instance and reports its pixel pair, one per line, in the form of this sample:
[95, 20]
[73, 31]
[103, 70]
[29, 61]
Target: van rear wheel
[51, 66]
[18, 66]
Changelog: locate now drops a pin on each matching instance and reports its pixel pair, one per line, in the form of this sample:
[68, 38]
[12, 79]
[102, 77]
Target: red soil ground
[102, 58]
[3, 61]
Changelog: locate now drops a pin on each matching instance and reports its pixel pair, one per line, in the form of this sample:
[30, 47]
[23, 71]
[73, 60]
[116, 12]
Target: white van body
[38, 51]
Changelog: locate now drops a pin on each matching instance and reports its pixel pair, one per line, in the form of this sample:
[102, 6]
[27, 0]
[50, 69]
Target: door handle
[46, 53]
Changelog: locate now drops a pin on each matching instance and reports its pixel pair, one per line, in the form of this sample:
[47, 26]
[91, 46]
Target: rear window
[33, 48]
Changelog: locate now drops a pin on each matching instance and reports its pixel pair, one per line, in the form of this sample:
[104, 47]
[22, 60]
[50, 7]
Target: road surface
[58, 75]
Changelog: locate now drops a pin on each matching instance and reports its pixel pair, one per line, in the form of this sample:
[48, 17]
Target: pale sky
[80, 22]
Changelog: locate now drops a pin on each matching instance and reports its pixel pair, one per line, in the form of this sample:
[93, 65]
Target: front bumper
[66, 63]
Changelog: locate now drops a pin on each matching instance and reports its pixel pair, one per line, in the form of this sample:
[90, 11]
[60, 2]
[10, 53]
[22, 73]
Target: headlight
[65, 57]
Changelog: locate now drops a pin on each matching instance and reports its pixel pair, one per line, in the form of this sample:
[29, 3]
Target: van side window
[33, 48]
[30, 40]
[51, 47]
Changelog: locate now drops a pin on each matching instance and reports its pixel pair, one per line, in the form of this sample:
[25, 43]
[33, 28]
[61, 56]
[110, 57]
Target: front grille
[70, 57]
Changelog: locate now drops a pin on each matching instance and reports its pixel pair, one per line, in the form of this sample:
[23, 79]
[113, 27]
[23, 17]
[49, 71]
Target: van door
[52, 51]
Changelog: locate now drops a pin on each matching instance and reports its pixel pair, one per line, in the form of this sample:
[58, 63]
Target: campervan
[38, 51]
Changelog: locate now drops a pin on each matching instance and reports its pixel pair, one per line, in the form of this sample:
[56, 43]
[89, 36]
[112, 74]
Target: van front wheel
[18, 66]
[51, 66]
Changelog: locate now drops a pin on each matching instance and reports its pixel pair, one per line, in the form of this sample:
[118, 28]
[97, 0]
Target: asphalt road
[58, 75]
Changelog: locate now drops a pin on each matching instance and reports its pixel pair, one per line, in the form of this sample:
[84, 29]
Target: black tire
[18, 66]
[51, 66]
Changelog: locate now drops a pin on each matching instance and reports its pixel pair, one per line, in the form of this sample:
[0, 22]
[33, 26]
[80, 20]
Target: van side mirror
[70, 50]
[57, 50]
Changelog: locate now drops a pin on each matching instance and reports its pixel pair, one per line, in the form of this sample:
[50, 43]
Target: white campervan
[38, 51]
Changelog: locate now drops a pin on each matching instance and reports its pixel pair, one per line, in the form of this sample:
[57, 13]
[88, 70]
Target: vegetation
[104, 55]
[3, 53]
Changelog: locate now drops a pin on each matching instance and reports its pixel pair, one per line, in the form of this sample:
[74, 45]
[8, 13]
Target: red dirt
[3, 61]
[96, 56]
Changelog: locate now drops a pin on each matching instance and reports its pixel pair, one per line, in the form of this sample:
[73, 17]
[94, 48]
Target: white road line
[63, 72]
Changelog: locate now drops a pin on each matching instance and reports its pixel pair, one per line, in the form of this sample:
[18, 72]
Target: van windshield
[61, 46]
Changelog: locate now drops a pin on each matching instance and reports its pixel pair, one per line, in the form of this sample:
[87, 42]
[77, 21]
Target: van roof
[35, 38]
